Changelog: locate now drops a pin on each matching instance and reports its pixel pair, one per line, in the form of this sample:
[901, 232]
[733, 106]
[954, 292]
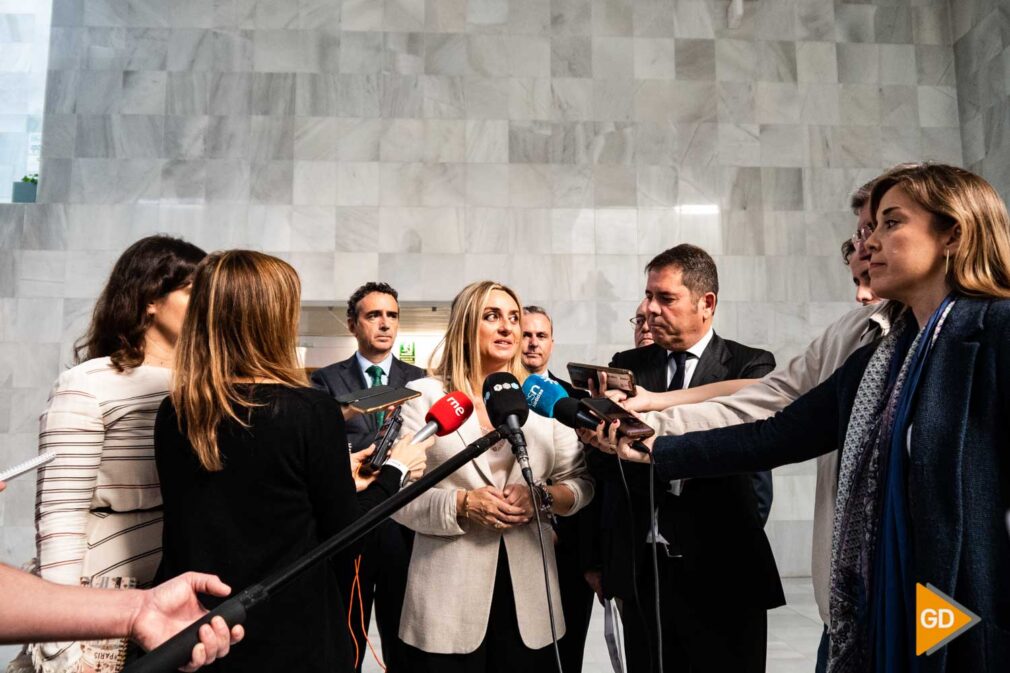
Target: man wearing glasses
[643, 334]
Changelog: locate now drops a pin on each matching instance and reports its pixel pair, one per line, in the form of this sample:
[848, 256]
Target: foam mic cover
[503, 397]
[542, 394]
[445, 416]
[568, 412]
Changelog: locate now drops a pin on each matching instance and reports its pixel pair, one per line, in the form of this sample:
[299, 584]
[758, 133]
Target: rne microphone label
[938, 619]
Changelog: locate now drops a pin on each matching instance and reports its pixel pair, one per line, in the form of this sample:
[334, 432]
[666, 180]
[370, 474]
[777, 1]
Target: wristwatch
[545, 501]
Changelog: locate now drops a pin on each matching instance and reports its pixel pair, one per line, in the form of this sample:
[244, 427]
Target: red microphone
[445, 416]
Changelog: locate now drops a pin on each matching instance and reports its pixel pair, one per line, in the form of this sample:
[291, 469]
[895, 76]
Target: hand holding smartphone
[615, 378]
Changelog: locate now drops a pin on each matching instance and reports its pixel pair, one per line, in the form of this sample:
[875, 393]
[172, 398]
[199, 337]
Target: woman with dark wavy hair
[98, 508]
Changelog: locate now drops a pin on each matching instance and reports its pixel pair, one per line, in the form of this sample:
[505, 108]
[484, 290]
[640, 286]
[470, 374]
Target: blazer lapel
[652, 374]
[712, 366]
[470, 432]
[937, 443]
[397, 378]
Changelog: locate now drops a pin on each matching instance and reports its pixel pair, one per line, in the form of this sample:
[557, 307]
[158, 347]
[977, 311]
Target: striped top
[101, 425]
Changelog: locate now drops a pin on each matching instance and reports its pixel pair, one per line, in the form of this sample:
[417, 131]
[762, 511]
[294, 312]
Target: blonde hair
[242, 323]
[981, 265]
[457, 359]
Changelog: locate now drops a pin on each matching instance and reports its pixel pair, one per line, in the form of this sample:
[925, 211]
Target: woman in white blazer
[476, 557]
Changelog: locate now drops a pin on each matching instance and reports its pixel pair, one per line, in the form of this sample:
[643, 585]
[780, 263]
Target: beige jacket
[453, 564]
[776, 391]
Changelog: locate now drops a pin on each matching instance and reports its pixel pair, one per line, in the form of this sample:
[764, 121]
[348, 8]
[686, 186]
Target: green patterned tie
[375, 371]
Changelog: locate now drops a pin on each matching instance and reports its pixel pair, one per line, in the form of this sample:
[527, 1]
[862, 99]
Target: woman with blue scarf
[922, 421]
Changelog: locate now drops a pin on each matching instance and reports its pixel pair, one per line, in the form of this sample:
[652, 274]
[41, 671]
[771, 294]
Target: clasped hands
[496, 509]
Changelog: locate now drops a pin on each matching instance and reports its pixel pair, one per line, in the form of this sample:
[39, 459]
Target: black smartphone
[377, 398]
[617, 379]
[384, 439]
[609, 411]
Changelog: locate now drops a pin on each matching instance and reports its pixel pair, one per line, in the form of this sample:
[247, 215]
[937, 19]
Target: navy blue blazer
[346, 377]
[959, 475]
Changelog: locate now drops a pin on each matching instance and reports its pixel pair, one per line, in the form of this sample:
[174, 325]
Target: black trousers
[577, 604]
[502, 650]
[698, 636]
[383, 577]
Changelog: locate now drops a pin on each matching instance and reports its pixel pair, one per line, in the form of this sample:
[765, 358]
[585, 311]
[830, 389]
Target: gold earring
[946, 262]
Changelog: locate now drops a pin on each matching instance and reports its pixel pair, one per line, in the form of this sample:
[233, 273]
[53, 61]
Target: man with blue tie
[373, 317]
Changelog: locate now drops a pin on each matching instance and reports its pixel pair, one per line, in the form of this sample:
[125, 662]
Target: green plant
[32, 178]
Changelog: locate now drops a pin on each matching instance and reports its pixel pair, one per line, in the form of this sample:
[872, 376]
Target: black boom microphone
[506, 406]
[175, 652]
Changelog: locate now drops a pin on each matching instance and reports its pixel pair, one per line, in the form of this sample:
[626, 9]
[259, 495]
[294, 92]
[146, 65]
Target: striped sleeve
[72, 426]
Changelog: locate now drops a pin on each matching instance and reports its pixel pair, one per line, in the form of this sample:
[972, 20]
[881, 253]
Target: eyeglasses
[859, 238]
[637, 321]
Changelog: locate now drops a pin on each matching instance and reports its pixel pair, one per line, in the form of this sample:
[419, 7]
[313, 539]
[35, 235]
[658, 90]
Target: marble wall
[981, 33]
[555, 145]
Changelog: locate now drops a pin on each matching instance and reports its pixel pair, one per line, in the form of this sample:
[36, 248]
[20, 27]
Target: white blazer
[452, 567]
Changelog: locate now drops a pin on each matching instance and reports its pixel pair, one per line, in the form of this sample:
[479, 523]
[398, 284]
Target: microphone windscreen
[503, 397]
[566, 411]
[450, 412]
[542, 394]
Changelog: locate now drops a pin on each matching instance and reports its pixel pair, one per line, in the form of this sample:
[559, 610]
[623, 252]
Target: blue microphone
[542, 394]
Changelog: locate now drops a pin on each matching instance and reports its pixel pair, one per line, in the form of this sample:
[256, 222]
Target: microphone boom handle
[175, 652]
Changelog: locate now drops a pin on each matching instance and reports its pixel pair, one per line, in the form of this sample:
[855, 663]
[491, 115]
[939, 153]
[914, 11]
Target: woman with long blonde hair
[920, 420]
[254, 464]
[476, 554]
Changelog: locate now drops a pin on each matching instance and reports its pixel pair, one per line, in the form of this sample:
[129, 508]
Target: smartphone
[607, 410]
[384, 439]
[27, 466]
[390, 398]
[364, 393]
[617, 379]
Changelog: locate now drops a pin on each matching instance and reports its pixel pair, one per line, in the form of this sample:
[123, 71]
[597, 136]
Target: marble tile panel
[403, 53]
[358, 96]
[138, 136]
[61, 91]
[614, 228]
[271, 227]
[782, 189]
[739, 188]
[735, 102]
[361, 53]
[737, 61]
[317, 272]
[275, 14]
[694, 19]
[739, 145]
[573, 277]
[897, 64]
[9, 261]
[816, 62]
[854, 23]
[357, 184]
[695, 59]
[444, 141]
[187, 93]
[357, 139]
[60, 136]
[858, 63]
[99, 92]
[655, 58]
[860, 104]
[403, 15]
[400, 96]
[364, 15]
[67, 12]
[273, 93]
[653, 18]
[743, 232]
[146, 48]
[487, 185]
[855, 147]
[488, 55]
[488, 141]
[613, 58]
[571, 17]
[937, 106]
[190, 50]
[899, 106]
[487, 231]
[571, 56]
[777, 61]
[105, 13]
[230, 93]
[191, 14]
[776, 103]
[530, 185]
[271, 138]
[445, 16]
[313, 228]
[227, 180]
[144, 92]
[66, 48]
[228, 137]
[931, 25]
[184, 181]
[784, 233]
[12, 220]
[614, 100]
[571, 186]
[446, 54]
[782, 145]
[775, 20]
[490, 98]
[234, 50]
[614, 186]
[573, 231]
[356, 229]
[443, 97]
[617, 278]
[271, 182]
[55, 183]
[571, 99]
[95, 133]
[742, 278]
[815, 21]
[402, 140]
[893, 25]
[613, 17]
[528, 99]
[315, 184]
[819, 104]
[45, 228]
[612, 143]
[899, 144]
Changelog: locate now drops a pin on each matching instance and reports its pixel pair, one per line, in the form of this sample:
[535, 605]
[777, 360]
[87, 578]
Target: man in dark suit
[717, 576]
[373, 317]
[573, 549]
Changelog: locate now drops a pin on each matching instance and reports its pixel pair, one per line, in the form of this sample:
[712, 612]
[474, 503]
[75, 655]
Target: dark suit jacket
[958, 478]
[345, 377]
[716, 522]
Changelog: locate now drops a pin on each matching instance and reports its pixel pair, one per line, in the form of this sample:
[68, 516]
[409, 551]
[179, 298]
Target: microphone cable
[547, 577]
[634, 562]
[654, 523]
